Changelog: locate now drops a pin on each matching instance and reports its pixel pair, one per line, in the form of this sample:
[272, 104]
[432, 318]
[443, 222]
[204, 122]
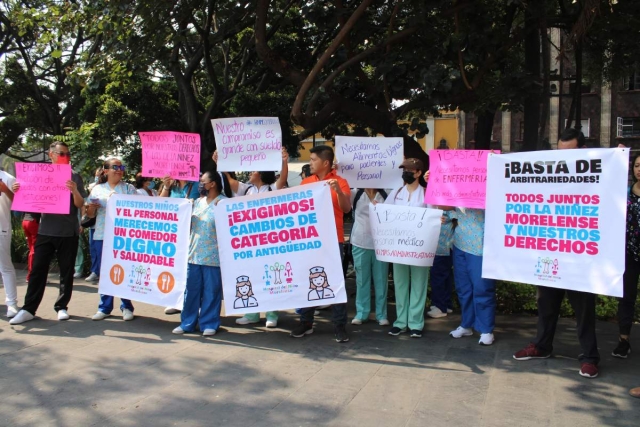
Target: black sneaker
[304, 328]
[414, 333]
[622, 350]
[395, 331]
[341, 334]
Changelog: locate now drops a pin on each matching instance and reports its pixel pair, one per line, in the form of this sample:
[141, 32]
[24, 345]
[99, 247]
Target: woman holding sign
[411, 281]
[259, 182]
[203, 294]
[99, 197]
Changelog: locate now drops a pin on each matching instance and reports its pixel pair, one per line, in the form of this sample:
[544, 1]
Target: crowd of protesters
[458, 257]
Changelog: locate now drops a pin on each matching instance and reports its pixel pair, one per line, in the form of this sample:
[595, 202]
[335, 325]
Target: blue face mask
[203, 191]
[152, 185]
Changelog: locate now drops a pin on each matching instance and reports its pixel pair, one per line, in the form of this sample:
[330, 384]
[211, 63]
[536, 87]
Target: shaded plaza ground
[116, 373]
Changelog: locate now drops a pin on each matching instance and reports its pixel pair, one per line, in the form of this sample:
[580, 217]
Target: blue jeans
[95, 247]
[442, 282]
[477, 295]
[203, 294]
[106, 304]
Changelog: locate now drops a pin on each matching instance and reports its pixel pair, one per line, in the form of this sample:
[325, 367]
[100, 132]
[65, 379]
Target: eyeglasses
[115, 167]
[62, 153]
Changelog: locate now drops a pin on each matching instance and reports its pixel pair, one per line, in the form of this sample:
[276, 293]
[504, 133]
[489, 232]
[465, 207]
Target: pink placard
[42, 188]
[458, 178]
[171, 153]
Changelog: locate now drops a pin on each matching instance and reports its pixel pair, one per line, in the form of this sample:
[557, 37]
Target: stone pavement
[116, 373]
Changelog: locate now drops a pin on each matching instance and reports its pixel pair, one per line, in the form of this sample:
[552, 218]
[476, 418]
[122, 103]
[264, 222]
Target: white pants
[7, 270]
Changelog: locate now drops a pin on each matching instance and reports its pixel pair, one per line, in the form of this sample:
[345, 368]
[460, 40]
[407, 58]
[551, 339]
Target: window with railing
[628, 127]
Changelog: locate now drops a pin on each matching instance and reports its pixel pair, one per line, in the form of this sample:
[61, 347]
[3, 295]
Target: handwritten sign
[248, 143]
[171, 153]
[146, 242]
[279, 250]
[370, 162]
[405, 234]
[558, 219]
[42, 188]
[457, 178]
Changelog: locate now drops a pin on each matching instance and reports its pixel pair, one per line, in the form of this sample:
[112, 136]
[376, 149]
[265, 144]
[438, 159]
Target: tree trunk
[532, 66]
[484, 129]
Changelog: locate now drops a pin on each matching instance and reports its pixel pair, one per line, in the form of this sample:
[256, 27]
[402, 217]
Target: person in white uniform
[6, 266]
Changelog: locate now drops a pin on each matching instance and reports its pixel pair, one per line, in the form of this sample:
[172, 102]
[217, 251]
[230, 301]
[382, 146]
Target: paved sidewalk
[116, 373]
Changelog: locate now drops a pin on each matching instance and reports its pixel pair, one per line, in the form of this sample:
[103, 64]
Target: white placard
[144, 254]
[370, 162]
[557, 219]
[405, 234]
[248, 144]
[279, 250]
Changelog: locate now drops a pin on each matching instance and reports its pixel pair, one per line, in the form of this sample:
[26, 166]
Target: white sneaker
[100, 315]
[461, 332]
[21, 317]
[245, 321]
[127, 314]
[316, 313]
[383, 322]
[170, 310]
[486, 339]
[93, 277]
[12, 310]
[63, 315]
[77, 275]
[178, 331]
[208, 332]
[449, 311]
[270, 324]
[436, 313]
[356, 321]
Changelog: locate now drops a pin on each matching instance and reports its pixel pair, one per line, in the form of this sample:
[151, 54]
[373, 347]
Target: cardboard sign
[457, 178]
[248, 144]
[370, 162]
[171, 153]
[42, 188]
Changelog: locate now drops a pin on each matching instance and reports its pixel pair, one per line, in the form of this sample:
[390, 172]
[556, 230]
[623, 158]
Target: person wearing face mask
[411, 282]
[98, 208]
[203, 294]
[260, 182]
[57, 235]
[145, 186]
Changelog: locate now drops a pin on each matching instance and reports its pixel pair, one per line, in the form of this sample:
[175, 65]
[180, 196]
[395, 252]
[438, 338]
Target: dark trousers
[339, 311]
[584, 305]
[627, 304]
[441, 282]
[65, 248]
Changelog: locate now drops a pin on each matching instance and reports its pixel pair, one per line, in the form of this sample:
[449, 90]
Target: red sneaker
[588, 370]
[530, 352]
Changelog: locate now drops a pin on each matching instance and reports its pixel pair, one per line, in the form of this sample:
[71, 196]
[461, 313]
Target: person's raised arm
[343, 194]
[284, 173]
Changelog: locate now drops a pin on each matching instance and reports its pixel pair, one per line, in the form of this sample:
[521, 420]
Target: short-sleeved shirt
[102, 193]
[469, 234]
[203, 241]
[5, 204]
[64, 225]
[189, 191]
[402, 197]
[337, 212]
[248, 189]
[361, 232]
[445, 239]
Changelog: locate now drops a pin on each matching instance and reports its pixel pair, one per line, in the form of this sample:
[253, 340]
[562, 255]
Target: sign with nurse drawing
[279, 250]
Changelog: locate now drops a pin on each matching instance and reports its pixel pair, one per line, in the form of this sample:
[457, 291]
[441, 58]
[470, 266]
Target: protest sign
[144, 254]
[43, 188]
[248, 143]
[279, 250]
[557, 219]
[457, 178]
[171, 153]
[405, 234]
[370, 162]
